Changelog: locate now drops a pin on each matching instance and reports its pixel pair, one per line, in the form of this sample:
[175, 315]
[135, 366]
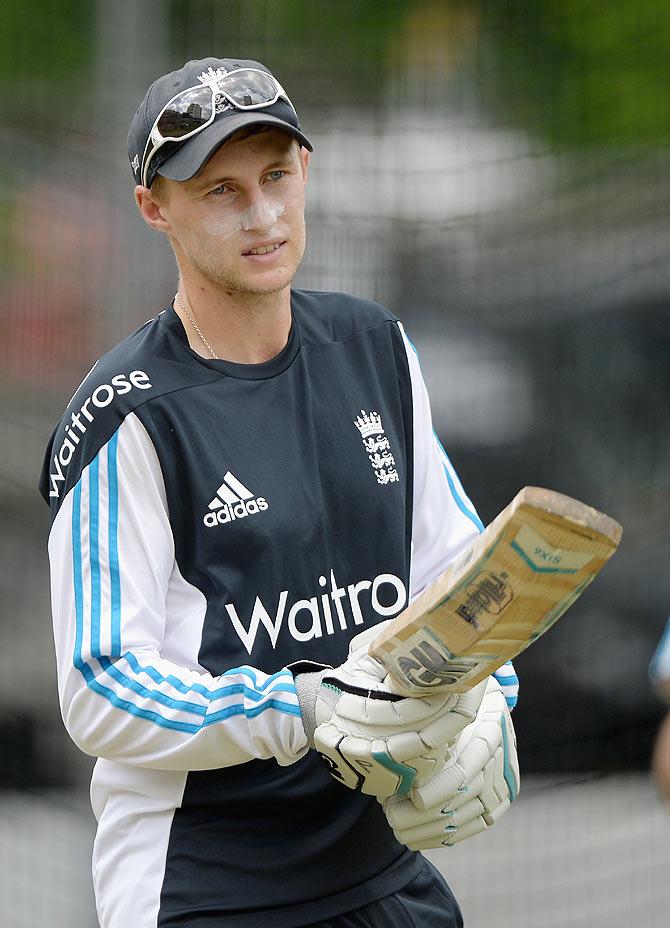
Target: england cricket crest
[210, 78]
[211, 75]
[378, 447]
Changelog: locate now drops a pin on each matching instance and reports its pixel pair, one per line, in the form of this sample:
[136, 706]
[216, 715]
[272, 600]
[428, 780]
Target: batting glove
[374, 740]
[472, 791]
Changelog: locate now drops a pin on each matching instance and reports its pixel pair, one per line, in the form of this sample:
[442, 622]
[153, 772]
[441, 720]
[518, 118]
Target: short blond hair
[159, 188]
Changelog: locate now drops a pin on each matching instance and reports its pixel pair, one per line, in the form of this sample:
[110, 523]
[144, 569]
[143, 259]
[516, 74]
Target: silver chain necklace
[184, 309]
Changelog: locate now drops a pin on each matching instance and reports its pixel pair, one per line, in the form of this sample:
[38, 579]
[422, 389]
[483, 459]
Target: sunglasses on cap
[192, 110]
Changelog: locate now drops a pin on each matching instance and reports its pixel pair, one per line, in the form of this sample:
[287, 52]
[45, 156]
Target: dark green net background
[497, 173]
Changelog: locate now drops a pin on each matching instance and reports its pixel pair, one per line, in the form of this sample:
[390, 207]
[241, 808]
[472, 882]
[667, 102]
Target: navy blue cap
[183, 160]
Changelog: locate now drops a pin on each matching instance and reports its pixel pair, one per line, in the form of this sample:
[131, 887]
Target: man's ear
[150, 209]
[304, 160]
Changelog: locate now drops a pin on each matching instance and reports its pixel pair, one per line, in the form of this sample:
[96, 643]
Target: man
[660, 676]
[237, 489]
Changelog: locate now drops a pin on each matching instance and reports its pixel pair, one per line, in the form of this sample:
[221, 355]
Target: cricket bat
[499, 594]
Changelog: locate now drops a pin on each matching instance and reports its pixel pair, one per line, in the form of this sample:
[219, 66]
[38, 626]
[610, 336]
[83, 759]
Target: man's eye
[218, 191]
[276, 175]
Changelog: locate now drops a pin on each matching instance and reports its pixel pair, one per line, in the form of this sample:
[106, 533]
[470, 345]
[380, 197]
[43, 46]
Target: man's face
[241, 221]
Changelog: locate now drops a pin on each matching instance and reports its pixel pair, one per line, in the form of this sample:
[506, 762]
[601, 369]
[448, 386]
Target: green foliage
[580, 72]
[44, 40]
[576, 73]
[334, 51]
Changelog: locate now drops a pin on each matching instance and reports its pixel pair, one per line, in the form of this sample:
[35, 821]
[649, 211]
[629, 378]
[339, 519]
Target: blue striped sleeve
[509, 683]
[122, 678]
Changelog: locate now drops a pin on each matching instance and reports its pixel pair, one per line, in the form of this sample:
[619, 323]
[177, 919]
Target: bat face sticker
[500, 594]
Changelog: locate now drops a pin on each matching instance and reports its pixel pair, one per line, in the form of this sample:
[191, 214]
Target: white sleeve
[444, 520]
[112, 556]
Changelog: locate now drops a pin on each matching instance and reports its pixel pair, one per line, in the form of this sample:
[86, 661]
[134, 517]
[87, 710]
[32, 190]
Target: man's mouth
[264, 249]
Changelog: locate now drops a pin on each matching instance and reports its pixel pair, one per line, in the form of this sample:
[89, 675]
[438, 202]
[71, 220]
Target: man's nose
[261, 214]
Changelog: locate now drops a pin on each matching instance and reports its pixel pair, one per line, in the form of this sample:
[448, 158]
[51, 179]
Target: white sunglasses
[192, 110]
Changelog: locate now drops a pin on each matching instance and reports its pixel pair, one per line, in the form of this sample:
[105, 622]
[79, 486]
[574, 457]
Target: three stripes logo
[233, 501]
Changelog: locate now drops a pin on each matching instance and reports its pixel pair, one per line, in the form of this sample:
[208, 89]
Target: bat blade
[499, 594]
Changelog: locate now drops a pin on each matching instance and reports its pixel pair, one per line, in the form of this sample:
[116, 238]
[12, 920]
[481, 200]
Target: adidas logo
[233, 501]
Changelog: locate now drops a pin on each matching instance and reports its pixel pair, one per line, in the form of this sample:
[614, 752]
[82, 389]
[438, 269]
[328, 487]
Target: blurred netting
[496, 172]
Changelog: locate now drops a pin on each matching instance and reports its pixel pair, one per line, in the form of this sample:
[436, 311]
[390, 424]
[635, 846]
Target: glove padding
[472, 791]
[374, 740]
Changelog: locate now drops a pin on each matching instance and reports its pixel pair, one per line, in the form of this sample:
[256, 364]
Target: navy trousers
[426, 902]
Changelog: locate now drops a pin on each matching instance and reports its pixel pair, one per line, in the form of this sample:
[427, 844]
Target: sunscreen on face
[261, 216]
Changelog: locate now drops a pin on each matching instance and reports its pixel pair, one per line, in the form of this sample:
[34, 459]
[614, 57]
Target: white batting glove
[472, 791]
[374, 740]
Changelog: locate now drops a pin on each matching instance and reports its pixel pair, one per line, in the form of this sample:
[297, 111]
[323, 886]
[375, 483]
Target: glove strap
[346, 687]
[298, 667]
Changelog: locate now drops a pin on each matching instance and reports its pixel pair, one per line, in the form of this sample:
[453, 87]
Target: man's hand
[472, 791]
[374, 740]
